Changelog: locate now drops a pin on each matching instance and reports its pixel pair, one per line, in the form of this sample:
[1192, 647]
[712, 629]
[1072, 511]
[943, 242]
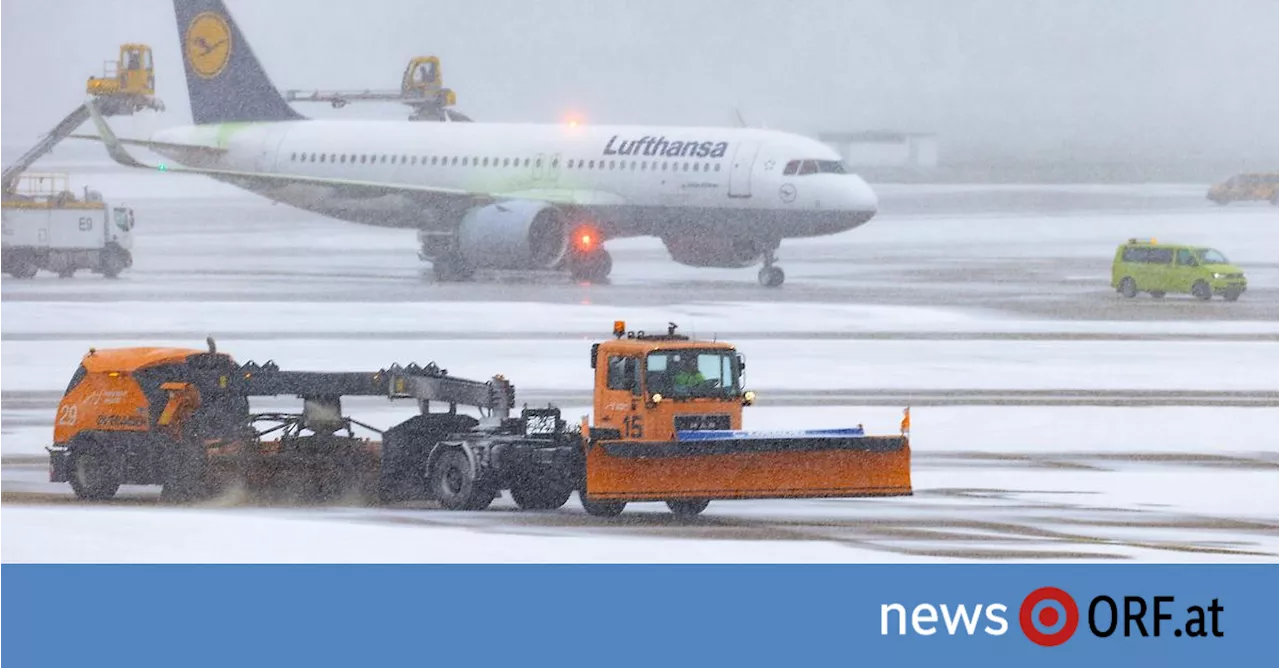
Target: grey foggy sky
[1090, 79]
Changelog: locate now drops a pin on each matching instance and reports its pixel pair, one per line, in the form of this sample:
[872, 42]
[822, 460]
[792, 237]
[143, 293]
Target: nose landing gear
[771, 276]
[592, 267]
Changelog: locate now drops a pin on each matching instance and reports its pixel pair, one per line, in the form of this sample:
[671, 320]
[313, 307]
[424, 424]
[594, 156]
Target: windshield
[803, 167]
[1211, 256]
[692, 373]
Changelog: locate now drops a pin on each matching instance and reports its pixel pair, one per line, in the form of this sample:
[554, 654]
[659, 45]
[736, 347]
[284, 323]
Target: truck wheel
[23, 270]
[93, 474]
[114, 262]
[454, 485]
[1158, 294]
[688, 507]
[601, 508]
[1231, 295]
[69, 272]
[1200, 290]
[540, 494]
[1128, 287]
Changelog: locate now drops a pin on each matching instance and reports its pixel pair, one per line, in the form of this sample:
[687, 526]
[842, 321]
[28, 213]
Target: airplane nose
[860, 195]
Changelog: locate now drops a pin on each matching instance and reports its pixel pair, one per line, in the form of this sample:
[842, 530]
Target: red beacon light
[585, 238]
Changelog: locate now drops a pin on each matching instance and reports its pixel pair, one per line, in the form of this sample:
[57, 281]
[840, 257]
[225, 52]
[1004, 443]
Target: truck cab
[668, 427]
[651, 386]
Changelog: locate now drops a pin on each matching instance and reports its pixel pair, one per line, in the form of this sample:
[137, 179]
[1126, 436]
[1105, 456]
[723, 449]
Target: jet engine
[711, 251]
[516, 234]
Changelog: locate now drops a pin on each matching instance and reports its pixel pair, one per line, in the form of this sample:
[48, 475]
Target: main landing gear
[451, 268]
[771, 276]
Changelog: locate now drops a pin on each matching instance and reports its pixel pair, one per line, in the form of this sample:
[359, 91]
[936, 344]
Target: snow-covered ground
[704, 318]
[1132, 513]
[934, 296]
[221, 536]
[796, 364]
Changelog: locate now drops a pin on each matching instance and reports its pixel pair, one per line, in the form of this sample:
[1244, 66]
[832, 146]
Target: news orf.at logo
[1048, 616]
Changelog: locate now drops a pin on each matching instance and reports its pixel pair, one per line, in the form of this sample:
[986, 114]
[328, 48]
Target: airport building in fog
[881, 148]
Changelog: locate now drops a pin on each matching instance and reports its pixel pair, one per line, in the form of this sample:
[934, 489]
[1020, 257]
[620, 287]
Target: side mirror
[595, 350]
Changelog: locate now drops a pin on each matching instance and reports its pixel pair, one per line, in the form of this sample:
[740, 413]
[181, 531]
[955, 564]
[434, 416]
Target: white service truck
[55, 231]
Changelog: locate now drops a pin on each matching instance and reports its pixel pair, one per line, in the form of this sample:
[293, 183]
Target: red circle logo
[1048, 616]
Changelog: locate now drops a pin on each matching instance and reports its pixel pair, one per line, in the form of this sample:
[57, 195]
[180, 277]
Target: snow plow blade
[746, 465]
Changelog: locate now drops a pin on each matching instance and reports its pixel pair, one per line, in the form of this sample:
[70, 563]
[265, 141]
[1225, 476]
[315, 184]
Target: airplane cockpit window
[804, 167]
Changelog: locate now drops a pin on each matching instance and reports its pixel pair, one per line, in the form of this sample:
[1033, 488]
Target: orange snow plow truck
[667, 427]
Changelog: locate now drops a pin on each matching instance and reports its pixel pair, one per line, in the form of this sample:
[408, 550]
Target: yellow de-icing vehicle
[668, 418]
[421, 88]
[127, 84]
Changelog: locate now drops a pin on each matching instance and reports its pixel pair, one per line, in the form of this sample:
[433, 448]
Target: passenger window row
[645, 165]
[455, 161]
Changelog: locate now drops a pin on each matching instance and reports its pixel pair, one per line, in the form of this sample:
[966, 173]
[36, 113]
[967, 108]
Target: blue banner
[650, 615]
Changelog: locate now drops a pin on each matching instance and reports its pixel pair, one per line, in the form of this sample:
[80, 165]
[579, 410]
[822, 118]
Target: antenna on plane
[742, 121]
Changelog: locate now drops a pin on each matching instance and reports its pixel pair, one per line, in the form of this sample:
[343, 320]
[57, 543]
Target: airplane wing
[146, 143]
[351, 188]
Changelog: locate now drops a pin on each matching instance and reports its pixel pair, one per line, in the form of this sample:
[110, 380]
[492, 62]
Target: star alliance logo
[669, 149]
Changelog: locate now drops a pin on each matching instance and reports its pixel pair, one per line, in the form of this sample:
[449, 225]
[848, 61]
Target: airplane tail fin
[224, 79]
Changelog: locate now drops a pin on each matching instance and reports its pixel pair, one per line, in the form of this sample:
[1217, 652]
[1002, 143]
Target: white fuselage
[633, 179]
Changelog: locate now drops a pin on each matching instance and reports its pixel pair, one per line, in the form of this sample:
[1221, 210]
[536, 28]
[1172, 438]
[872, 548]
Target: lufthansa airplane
[503, 195]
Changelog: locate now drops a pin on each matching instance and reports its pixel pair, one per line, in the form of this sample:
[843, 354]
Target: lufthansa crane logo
[208, 44]
[787, 193]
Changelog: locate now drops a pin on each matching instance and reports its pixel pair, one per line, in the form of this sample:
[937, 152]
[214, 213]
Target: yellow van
[1246, 187]
[1147, 266]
